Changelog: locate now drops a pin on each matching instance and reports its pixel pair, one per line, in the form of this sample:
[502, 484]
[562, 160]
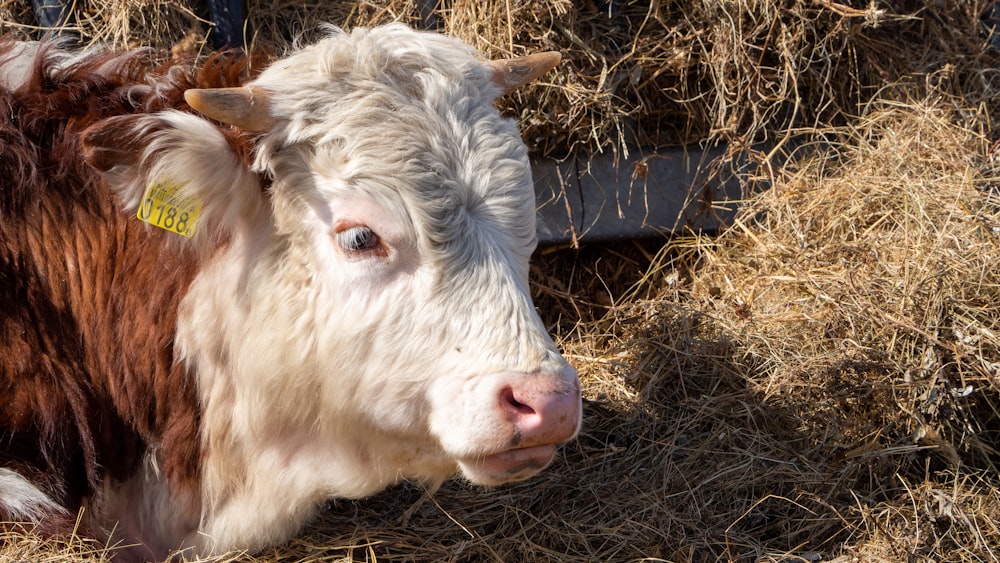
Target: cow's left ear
[174, 159]
[511, 74]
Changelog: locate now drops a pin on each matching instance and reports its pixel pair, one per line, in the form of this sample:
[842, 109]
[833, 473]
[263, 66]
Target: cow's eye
[359, 238]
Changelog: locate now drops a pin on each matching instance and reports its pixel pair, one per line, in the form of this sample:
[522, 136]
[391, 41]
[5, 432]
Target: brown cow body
[87, 371]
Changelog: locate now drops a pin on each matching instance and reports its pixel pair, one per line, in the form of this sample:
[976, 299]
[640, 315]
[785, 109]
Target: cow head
[362, 313]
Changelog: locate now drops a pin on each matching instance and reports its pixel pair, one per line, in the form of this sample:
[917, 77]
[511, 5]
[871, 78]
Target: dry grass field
[818, 382]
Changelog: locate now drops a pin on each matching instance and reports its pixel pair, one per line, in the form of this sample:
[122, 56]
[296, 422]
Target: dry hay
[861, 295]
[819, 382]
[634, 72]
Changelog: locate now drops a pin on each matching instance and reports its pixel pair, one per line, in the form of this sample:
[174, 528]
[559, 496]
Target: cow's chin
[508, 466]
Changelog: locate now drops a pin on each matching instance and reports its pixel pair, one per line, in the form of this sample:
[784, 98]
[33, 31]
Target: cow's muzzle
[541, 411]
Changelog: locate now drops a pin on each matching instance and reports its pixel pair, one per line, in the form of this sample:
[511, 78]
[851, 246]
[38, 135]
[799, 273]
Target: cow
[231, 291]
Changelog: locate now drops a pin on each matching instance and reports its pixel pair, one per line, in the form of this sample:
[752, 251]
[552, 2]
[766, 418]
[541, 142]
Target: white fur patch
[23, 500]
[151, 517]
[18, 66]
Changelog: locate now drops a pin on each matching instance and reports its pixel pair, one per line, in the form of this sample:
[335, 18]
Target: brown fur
[88, 294]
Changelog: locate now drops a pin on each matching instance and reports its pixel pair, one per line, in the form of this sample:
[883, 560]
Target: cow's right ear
[147, 159]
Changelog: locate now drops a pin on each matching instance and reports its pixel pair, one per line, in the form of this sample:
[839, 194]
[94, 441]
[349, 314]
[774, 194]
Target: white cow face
[412, 209]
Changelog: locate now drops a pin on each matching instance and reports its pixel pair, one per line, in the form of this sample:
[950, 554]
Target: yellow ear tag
[162, 206]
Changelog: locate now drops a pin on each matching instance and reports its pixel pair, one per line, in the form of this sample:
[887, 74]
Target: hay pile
[821, 381]
[635, 72]
[860, 296]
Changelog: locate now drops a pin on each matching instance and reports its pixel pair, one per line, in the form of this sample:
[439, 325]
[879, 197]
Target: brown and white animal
[337, 299]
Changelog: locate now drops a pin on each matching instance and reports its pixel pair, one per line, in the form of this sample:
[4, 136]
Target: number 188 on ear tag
[164, 207]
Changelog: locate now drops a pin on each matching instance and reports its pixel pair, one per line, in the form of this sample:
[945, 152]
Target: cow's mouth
[510, 465]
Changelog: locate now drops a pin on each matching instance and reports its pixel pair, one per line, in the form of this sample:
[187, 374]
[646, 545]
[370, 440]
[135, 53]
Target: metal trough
[649, 193]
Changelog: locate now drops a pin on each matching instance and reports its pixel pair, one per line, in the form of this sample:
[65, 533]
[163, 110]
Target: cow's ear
[511, 74]
[150, 159]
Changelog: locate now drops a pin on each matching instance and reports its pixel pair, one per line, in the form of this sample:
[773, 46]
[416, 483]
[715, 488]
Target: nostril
[510, 401]
[537, 410]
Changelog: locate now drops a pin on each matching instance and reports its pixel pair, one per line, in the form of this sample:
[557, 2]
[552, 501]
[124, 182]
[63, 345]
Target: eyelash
[358, 239]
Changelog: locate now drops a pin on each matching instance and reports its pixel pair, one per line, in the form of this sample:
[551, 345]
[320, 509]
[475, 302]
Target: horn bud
[511, 74]
[246, 107]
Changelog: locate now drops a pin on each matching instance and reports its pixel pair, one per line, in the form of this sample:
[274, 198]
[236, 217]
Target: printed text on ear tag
[164, 207]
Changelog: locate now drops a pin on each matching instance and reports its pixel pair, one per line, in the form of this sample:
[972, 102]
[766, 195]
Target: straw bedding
[818, 382]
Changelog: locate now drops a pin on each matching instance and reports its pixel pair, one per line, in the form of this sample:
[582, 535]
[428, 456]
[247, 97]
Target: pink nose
[543, 410]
